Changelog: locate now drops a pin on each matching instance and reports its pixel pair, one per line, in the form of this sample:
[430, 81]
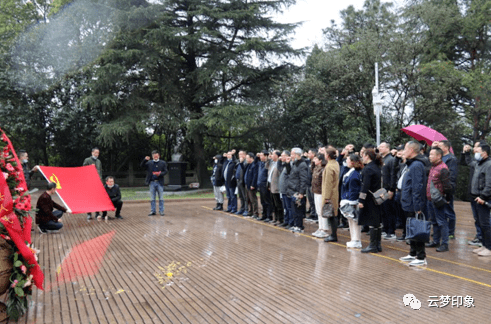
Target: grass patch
[142, 193]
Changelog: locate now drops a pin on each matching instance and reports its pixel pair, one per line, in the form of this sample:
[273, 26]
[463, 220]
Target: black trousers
[242, 196]
[278, 207]
[389, 216]
[417, 248]
[265, 196]
[118, 205]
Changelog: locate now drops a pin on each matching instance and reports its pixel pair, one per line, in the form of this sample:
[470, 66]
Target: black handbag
[436, 197]
[418, 229]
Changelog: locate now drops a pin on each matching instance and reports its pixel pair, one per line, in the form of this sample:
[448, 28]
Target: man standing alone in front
[156, 170]
[413, 197]
[94, 159]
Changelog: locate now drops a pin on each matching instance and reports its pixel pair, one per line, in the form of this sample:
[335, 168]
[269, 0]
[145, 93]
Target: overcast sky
[316, 15]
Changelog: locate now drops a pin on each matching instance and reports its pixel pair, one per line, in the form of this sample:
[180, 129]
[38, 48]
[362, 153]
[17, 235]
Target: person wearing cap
[156, 170]
[47, 220]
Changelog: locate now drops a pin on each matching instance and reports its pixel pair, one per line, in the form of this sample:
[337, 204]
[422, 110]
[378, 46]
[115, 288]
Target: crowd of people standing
[339, 185]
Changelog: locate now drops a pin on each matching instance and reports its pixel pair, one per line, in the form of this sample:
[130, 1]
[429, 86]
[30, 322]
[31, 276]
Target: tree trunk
[200, 158]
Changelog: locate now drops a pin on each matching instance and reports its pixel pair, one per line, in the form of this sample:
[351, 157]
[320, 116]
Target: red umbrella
[424, 133]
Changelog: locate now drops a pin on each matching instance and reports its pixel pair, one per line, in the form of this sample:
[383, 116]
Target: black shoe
[162, 214]
[331, 238]
[220, 207]
[262, 218]
[267, 220]
[442, 248]
[152, 214]
[433, 245]
[119, 217]
[284, 225]
[401, 238]
[379, 239]
[216, 207]
[97, 214]
[372, 247]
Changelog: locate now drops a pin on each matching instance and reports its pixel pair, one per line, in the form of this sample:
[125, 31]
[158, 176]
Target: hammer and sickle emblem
[54, 179]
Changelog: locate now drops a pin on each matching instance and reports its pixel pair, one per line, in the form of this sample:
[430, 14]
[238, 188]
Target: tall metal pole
[376, 105]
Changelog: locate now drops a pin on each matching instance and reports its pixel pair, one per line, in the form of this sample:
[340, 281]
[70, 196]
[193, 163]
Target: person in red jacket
[49, 221]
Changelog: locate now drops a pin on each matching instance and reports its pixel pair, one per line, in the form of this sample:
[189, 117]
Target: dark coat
[387, 173]
[114, 193]
[45, 207]
[27, 174]
[298, 179]
[467, 159]
[284, 176]
[217, 176]
[451, 161]
[370, 213]
[250, 176]
[351, 186]
[230, 167]
[481, 181]
[413, 192]
[160, 167]
[239, 173]
[262, 174]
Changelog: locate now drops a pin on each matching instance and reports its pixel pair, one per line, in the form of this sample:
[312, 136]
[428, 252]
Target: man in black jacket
[239, 175]
[217, 181]
[114, 194]
[297, 188]
[250, 179]
[467, 159]
[156, 170]
[28, 172]
[229, 168]
[451, 161]
[388, 210]
[481, 194]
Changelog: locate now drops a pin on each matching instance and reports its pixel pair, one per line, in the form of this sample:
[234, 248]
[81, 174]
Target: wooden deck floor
[195, 265]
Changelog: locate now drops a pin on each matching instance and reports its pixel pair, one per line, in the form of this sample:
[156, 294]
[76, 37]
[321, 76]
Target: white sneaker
[407, 258]
[418, 262]
[390, 237]
[354, 244]
[322, 234]
[482, 248]
[316, 233]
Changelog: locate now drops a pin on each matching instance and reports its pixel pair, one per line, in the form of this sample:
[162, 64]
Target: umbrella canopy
[424, 133]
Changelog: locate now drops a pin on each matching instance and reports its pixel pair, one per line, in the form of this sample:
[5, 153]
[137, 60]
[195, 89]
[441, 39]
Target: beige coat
[275, 178]
[330, 184]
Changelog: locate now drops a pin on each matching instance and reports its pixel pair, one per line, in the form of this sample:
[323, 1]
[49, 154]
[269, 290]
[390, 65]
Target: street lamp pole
[377, 104]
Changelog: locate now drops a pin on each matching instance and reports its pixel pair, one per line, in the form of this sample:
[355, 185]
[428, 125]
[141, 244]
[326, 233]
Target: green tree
[191, 59]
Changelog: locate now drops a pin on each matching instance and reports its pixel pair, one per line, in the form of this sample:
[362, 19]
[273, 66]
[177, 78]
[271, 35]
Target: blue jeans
[450, 214]
[232, 199]
[52, 225]
[476, 219]
[439, 220]
[287, 207]
[155, 187]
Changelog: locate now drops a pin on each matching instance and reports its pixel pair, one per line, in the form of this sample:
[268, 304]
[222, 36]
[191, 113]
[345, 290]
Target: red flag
[80, 188]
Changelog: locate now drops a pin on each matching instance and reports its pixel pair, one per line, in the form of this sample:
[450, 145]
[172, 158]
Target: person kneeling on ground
[49, 221]
[115, 194]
